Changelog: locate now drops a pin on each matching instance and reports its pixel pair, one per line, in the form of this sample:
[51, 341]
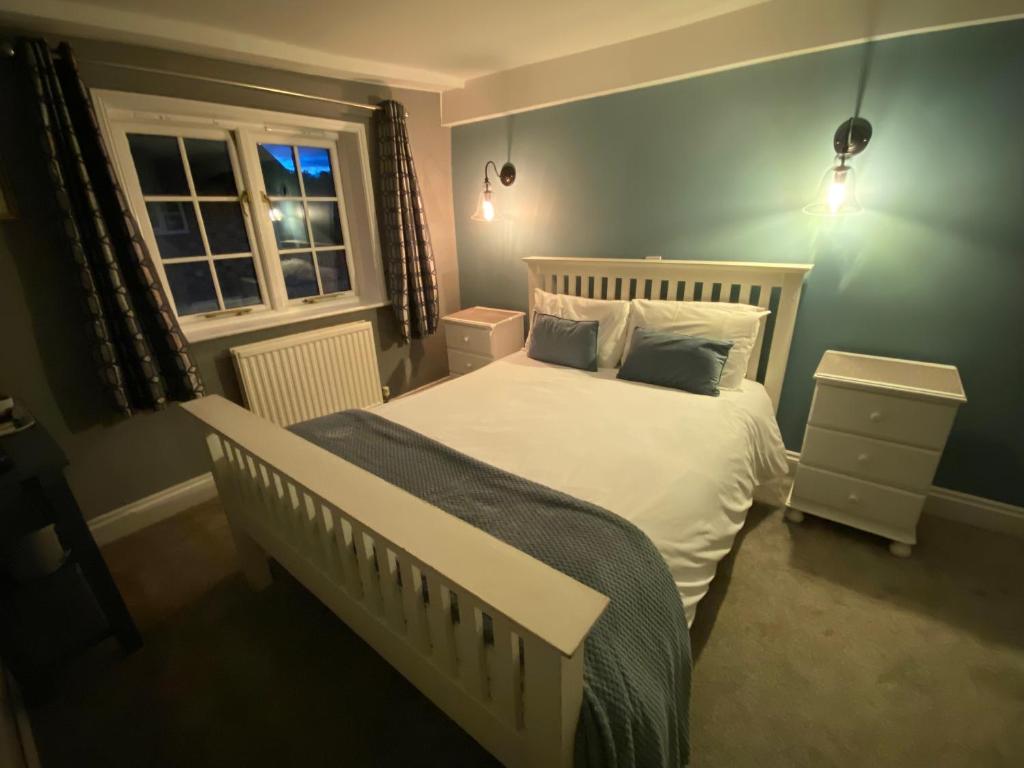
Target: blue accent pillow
[564, 342]
[691, 363]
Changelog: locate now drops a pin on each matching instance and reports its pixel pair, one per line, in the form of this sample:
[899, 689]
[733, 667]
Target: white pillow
[610, 314]
[738, 323]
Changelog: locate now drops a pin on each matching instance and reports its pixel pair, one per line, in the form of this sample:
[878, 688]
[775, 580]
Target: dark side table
[34, 495]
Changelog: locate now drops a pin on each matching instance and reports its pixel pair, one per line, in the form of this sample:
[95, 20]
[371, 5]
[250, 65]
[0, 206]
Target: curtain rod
[234, 83]
[8, 50]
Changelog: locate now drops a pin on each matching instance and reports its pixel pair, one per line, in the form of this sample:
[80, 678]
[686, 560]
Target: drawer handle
[876, 416]
[862, 458]
[465, 339]
[853, 498]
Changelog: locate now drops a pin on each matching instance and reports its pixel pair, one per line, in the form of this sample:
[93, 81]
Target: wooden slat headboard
[772, 286]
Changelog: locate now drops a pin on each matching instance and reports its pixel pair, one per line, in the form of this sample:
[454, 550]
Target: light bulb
[837, 193]
[275, 214]
[487, 208]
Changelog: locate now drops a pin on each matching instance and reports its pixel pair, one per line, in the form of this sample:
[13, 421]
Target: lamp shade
[837, 192]
[485, 210]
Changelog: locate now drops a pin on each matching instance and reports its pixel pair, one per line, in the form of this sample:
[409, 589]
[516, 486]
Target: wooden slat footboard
[365, 548]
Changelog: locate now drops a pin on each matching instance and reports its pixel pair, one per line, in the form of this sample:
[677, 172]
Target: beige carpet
[826, 650]
[814, 648]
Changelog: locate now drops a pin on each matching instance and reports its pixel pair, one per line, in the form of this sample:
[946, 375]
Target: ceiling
[497, 57]
[444, 42]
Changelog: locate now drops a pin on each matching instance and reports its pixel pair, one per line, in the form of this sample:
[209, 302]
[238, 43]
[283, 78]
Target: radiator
[305, 375]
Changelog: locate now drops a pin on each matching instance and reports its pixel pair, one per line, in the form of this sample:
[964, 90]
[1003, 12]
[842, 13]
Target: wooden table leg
[76, 536]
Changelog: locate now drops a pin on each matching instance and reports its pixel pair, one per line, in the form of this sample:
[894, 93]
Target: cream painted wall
[750, 35]
[44, 353]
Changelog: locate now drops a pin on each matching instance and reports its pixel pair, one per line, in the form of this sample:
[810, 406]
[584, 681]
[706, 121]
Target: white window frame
[120, 113]
[137, 201]
[249, 142]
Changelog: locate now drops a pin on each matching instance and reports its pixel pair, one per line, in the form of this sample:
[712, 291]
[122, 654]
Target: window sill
[218, 328]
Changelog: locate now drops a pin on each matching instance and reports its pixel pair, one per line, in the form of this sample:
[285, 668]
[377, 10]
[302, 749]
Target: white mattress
[681, 467]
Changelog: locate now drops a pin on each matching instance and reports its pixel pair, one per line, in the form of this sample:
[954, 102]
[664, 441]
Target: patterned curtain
[408, 257]
[141, 352]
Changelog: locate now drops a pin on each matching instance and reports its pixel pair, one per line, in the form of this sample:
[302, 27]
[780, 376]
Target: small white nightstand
[478, 335]
[874, 438]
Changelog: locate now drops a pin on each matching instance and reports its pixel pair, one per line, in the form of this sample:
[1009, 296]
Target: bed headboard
[772, 286]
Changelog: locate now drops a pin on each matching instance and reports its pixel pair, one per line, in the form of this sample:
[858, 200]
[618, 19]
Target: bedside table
[47, 619]
[478, 335]
[874, 437]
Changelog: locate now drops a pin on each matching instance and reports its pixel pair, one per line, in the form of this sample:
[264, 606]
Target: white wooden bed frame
[362, 545]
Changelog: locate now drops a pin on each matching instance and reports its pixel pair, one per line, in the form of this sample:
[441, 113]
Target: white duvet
[681, 467]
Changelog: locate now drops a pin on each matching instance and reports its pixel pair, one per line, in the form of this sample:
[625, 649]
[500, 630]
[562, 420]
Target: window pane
[176, 230]
[211, 167]
[299, 278]
[333, 271]
[326, 223]
[238, 284]
[278, 164]
[316, 171]
[158, 163]
[225, 229]
[289, 219]
[192, 287]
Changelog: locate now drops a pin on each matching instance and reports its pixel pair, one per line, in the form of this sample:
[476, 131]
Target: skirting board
[152, 509]
[980, 512]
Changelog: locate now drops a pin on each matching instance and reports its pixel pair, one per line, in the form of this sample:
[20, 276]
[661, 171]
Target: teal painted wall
[719, 167]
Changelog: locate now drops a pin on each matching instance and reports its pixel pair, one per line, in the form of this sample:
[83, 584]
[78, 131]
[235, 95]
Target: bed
[513, 677]
[581, 433]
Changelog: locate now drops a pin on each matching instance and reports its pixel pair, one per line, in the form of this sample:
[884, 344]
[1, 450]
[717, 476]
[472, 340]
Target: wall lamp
[485, 205]
[836, 192]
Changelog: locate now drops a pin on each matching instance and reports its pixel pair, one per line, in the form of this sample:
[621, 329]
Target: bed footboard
[416, 583]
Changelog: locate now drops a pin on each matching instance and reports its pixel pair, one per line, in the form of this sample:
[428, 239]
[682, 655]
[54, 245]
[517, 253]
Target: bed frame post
[252, 560]
[785, 323]
[552, 696]
[531, 283]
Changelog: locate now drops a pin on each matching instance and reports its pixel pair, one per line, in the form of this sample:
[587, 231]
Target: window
[305, 210]
[255, 218]
[190, 186]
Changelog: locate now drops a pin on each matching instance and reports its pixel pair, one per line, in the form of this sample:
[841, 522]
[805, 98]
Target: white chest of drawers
[874, 437]
[478, 335]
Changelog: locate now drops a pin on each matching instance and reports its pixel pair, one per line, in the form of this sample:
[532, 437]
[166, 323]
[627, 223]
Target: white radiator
[300, 377]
